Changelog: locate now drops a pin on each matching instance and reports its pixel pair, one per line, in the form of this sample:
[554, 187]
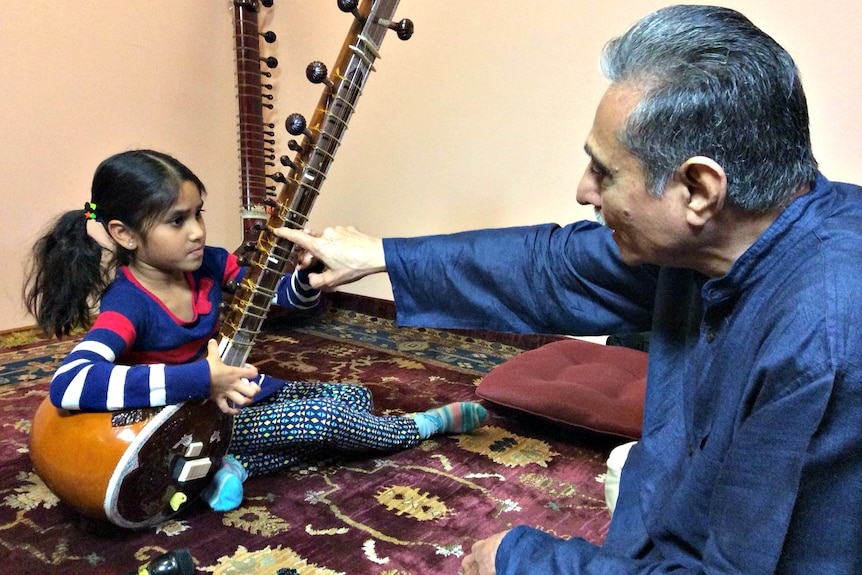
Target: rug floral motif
[412, 512]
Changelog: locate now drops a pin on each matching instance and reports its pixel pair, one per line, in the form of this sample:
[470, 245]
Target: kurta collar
[797, 220]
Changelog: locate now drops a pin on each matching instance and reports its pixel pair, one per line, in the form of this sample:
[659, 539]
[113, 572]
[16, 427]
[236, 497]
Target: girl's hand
[230, 385]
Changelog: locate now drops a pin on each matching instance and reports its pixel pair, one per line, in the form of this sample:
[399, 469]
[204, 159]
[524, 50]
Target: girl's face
[175, 241]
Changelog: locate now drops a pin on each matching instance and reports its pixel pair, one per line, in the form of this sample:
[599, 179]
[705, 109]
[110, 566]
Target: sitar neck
[321, 138]
[253, 147]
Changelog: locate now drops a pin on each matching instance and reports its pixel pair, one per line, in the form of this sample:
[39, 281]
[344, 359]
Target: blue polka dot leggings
[302, 420]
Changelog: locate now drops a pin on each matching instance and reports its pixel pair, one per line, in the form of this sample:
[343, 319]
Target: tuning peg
[317, 73]
[297, 126]
[287, 163]
[269, 36]
[270, 61]
[404, 28]
[294, 146]
[261, 226]
[231, 286]
[266, 3]
[351, 6]
[277, 176]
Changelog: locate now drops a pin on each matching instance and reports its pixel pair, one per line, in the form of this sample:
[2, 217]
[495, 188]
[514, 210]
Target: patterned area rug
[416, 511]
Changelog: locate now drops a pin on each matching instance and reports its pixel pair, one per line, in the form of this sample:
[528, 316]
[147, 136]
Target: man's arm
[534, 279]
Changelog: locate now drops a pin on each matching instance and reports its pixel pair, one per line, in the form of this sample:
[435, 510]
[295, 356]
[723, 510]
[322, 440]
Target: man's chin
[627, 256]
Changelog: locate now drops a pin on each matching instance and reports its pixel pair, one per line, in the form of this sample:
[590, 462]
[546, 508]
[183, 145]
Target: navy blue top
[751, 456]
[139, 354]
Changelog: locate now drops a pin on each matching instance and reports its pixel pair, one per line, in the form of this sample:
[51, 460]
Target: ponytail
[66, 276]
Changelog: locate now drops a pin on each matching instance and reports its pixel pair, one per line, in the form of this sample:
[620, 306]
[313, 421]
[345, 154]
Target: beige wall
[478, 121]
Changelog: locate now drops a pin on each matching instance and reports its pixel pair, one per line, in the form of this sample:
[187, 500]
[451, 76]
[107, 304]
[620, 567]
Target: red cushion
[588, 385]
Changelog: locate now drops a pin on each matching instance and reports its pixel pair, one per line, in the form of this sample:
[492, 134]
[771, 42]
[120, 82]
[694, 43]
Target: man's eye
[597, 171]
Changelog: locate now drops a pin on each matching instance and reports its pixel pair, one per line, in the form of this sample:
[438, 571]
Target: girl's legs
[355, 396]
[303, 429]
[299, 423]
[302, 419]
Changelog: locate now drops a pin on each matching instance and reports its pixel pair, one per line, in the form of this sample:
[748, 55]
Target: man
[742, 260]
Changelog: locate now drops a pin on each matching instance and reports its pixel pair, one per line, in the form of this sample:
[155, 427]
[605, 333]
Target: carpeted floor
[416, 511]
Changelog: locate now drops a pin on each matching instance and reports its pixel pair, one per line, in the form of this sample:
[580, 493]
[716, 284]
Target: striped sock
[460, 417]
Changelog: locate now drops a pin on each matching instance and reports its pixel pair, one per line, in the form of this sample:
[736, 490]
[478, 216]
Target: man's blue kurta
[751, 456]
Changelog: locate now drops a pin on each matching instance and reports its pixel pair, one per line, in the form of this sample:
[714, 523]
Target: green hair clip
[90, 211]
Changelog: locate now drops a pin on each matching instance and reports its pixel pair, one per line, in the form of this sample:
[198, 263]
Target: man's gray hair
[714, 85]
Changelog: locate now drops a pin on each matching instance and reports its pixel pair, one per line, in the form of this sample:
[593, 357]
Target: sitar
[256, 139]
[140, 467]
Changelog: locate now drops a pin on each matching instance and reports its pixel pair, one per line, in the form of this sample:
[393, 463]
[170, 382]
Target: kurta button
[710, 335]
[690, 449]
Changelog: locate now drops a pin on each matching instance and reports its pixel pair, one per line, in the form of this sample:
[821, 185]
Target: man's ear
[121, 234]
[706, 183]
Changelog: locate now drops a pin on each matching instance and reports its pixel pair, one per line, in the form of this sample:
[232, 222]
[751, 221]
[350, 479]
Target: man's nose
[588, 193]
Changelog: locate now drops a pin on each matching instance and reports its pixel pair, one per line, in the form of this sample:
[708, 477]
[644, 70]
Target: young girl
[158, 287]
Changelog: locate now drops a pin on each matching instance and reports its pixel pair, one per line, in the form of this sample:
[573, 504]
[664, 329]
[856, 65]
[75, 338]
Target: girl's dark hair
[67, 276]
